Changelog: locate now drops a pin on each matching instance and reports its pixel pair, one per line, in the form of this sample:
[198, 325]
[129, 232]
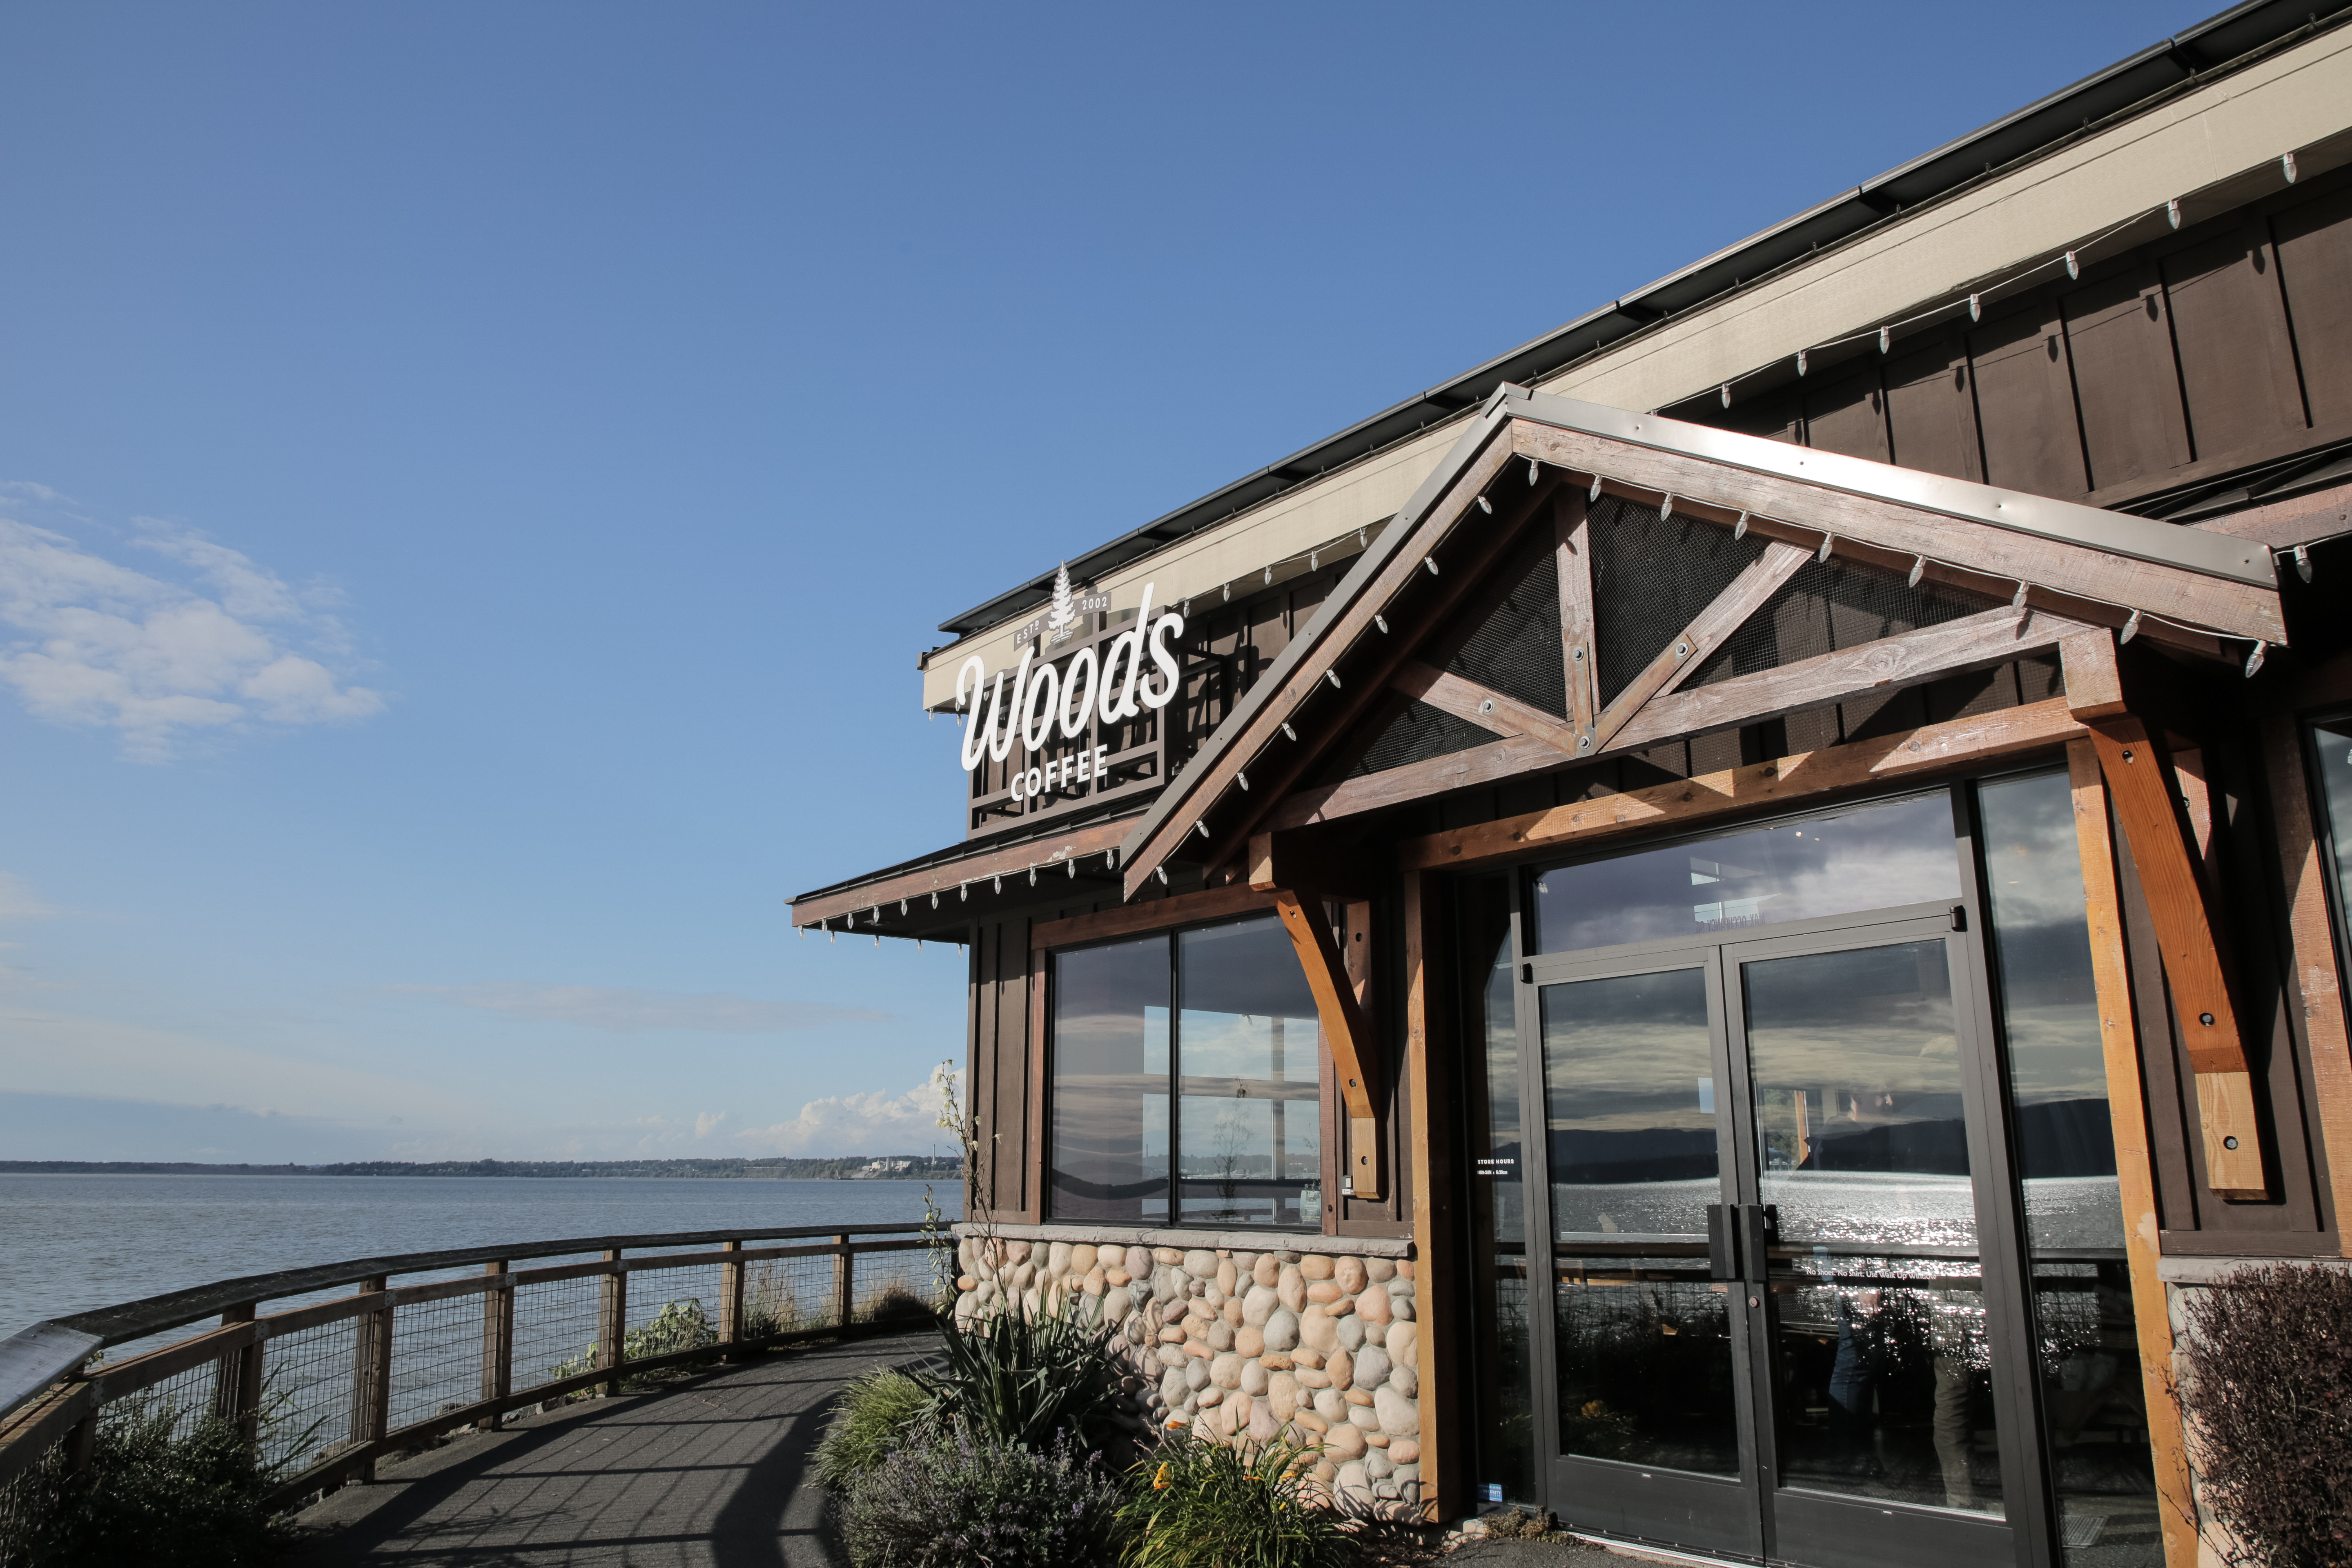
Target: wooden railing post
[237, 1385]
[497, 1345]
[844, 1265]
[730, 1296]
[612, 1321]
[372, 1374]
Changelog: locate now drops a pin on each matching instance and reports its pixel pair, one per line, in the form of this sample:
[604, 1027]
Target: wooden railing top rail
[154, 1314]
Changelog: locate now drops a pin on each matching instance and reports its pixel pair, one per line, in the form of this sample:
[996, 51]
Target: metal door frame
[1857, 1532]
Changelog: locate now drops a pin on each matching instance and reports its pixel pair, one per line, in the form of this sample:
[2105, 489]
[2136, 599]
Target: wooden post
[372, 1374]
[612, 1324]
[1442, 1437]
[844, 1282]
[237, 1382]
[81, 1445]
[730, 1297]
[2135, 1170]
[1350, 1044]
[497, 1345]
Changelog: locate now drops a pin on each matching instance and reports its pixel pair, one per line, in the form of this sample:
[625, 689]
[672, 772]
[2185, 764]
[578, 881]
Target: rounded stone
[1342, 1308]
[1118, 1276]
[1330, 1407]
[1404, 1341]
[1317, 1329]
[1357, 1398]
[1276, 1360]
[1057, 1257]
[1226, 1371]
[1399, 1286]
[1345, 1444]
[1023, 1274]
[1231, 1311]
[1379, 1270]
[1255, 1379]
[1167, 1255]
[1198, 1310]
[1221, 1335]
[1404, 1269]
[1196, 1373]
[1172, 1335]
[1323, 1292]
[1312, 1377]
[1266, 1270]
[1341, 1369]
[1281, 1330]
[1308, 1358]
[1348, 1273]
[1403, 1307]
[1084, 1257]
[1379, 1466]
[1138, 1262]
[1351, 1333]
[1315, 1265]
[1364, 1416]
[1201, 1263]
[1405, 1450]
[1249, 1341]
[1227, 1276]
[1017, 1251]
[1263, 1428]
[1398, 1416]
[1171, 1357]
[1172, 1388]
[1094, 1282]
[1282, 1395]
[1405, 1378]
[1292, 1289]
[1259, 1305]
[1209, 1398]
[1375, 1308]
[1371, 1368]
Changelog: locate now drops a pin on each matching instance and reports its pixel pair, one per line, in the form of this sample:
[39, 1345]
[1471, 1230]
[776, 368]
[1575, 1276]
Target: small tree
[2266, 1389]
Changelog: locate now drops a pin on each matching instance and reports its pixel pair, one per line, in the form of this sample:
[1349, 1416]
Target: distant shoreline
[854, 1168]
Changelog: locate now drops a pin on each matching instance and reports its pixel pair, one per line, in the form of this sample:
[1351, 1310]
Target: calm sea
[74, 1242]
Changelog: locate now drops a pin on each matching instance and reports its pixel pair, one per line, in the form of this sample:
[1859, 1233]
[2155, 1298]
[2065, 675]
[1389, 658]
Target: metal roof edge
[2235, 32]
[2119, 533]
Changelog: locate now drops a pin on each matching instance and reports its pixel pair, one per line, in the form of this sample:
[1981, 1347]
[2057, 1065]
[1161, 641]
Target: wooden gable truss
[2054, 578]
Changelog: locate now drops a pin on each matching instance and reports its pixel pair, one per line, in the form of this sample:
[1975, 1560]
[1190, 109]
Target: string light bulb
[1975, 307]
[1430, 561]
[1726, 394]
[2172, 212]
[1486, 506]
[1162, 872]
[1535, 472]
[2302, 561]
[1823, 553]
[2286, 165]
[2017, 600]
[1886, 340]
[1333, 676]
[1242, 779]
[1801, 365]
[1919, 570]
[1667, 508]
[1288, 730]
[2255, 659]
[1594, 494]
[1380, 620]
[1740, 528]
[2074, 268]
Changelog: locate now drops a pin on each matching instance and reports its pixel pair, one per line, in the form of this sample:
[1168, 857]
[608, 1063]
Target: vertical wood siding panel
[2026, 405]
[2229, 324]
[2314, 255]
[2127, 382]
[1931, 418]
[1849, 417]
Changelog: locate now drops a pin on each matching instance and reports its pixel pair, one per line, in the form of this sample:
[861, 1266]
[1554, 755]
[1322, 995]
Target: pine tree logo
[1063, 620]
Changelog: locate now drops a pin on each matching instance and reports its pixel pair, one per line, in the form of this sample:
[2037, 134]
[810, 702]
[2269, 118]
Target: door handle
[1722, 1244]
[1759, 1230]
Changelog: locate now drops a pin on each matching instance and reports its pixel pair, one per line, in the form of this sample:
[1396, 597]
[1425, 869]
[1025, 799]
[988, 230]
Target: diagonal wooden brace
[2146, 796]
[1354, 1057]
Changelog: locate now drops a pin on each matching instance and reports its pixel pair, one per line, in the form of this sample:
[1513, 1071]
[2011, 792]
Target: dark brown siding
[2314, 255]
[2025, 404]
[2127, 387]
[1930, 414]
[1849, 417]
[2237, 361]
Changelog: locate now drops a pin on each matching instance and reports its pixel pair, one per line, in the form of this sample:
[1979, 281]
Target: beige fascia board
[2245, 122]
[1289, 524]
[2298, 99]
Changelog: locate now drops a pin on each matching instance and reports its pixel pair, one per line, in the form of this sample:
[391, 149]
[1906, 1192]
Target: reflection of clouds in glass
[1236, 1045]
[2034, 867]
[2054, 1052]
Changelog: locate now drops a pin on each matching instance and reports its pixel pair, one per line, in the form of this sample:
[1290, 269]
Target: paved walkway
[709, 1472]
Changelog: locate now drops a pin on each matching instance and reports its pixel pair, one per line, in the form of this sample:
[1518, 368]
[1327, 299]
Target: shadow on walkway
[709, 1472]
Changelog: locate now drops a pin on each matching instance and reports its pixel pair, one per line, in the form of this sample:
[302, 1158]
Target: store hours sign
[1136, 669]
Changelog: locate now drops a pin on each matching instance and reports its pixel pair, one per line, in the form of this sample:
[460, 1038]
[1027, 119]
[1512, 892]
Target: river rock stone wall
[1320, 1348]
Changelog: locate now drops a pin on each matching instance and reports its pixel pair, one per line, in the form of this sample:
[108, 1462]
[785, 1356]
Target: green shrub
[878, 1414]
[681, 1325]
[1017, 1380]
[2267, 1388]
[163, 1489]
[971, 1500]
[1193, 1503]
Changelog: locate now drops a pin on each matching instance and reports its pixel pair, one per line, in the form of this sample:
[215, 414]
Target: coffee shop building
[1711, 926]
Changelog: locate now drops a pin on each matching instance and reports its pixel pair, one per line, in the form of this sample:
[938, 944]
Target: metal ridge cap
[2020, 511]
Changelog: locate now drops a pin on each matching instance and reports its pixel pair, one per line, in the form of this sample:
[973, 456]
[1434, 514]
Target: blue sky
[474, 479]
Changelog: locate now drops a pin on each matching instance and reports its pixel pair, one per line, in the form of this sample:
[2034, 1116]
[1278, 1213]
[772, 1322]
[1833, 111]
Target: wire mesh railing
[323, 1388]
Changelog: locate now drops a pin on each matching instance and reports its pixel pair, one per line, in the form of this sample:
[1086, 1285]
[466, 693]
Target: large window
[1187, 1062]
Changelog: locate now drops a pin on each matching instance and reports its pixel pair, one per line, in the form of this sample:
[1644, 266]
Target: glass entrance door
[1759, 1183]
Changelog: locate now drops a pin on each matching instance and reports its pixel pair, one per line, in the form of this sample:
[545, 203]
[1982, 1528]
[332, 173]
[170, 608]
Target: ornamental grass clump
[1193, 1503]
[879, 1413]
[2267, 1386]
[972, 1501]
[1011, 1378]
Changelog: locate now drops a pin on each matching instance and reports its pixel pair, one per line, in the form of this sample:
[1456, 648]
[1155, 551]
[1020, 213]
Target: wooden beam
[1445, 1434]
[1303, 860]
[1698, 641]
[2134, 1165]
[1934, 749]
[2223, 604]
[1482, 706]
[2316, 985]
[1354, 1056]
[1579, 656]
[1203, 787]
[1152, 914]
[2146, 802]
[1971, 642]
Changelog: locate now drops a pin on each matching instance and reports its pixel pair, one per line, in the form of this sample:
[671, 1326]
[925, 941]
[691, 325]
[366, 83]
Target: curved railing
[327, 1387]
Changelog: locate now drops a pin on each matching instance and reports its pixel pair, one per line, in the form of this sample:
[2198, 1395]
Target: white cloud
[18, 902]
[873, 1123]
[105, 646]
[626, 1008]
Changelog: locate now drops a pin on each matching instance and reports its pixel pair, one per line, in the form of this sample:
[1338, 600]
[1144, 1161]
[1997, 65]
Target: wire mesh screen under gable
[1650, 578]
[1515, 649]
[1826, 606]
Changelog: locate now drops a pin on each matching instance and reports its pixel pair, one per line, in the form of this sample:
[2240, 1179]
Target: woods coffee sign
[1047, 698]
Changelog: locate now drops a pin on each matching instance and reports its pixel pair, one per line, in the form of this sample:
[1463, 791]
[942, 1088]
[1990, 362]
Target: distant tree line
[852, 1167]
